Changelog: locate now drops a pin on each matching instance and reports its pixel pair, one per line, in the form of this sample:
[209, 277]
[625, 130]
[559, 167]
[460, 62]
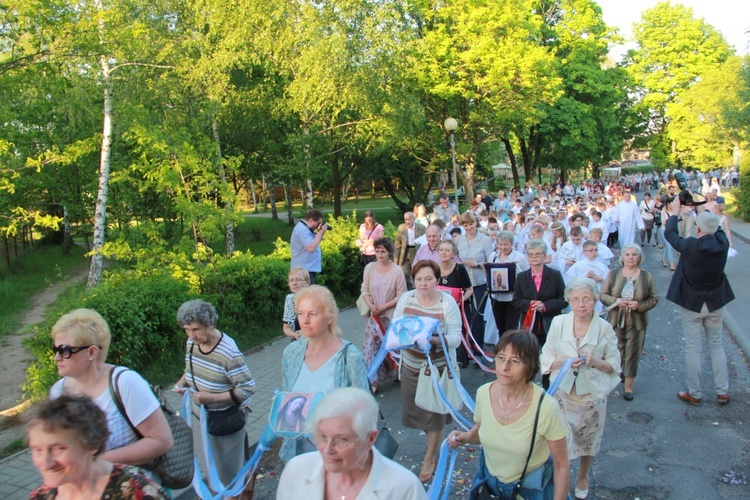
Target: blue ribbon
[556, 383]
[372, 370]
[436, 487]
[236, 485]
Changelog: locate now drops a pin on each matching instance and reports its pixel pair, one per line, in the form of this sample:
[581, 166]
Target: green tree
[587, 125]
[704, 121]
[484, 60]
[673, 50]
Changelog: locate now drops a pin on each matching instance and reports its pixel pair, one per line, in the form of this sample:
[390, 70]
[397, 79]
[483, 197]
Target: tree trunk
[512, 160]
[336, 174]
[272, 196]
[310, 195]
[225, 190]
[289, 208]
[67, 239]
[100, 214]
[347, 185]
[263, 187]
[526, 157]
[255, 197]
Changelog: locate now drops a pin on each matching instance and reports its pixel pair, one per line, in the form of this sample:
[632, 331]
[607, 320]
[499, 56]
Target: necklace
[343, 497]
[507, 414]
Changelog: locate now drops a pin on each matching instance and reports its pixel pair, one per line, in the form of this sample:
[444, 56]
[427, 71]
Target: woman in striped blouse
[216, 373]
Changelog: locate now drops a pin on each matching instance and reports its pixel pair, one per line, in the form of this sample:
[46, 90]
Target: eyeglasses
[337, 443]
[534, 254]
[581, 300]
[501, 360]
[65, 351]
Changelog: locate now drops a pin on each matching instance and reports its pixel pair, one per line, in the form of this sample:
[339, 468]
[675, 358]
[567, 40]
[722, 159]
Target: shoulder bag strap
[192, 372]
[517, 487]
[115, 392]
[345, 354]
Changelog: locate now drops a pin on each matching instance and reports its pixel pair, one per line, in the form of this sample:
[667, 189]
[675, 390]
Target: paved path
[655, 447]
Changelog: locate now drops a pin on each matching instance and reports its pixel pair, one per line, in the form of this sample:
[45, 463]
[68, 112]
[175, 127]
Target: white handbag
[427, 396]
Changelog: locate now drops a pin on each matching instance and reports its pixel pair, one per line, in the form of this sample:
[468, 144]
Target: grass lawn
[258, 232]
[30, 274]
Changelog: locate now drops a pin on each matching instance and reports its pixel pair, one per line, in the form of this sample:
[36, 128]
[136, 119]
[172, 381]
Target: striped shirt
[223, 369]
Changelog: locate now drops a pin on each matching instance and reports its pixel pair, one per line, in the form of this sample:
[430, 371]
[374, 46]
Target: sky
[730, 17]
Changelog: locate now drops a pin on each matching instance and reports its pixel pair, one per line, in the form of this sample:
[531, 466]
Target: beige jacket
[600, 340]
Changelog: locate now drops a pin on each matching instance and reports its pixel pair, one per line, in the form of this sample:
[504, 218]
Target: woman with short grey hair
[632, 292]
[506, 318]
[541, 290]
[346, 465]
[217, 376]
[638, 252]
[577, 284]
[587, 339]
[197, 310]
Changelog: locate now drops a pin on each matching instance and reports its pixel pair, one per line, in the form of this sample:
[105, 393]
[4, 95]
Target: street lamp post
[451, 125]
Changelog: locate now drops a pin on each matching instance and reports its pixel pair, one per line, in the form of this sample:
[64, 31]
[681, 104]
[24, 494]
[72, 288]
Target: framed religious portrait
[290, 410]
[500, 277]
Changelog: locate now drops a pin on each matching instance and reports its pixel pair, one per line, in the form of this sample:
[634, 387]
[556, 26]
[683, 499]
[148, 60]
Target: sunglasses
[65, 351]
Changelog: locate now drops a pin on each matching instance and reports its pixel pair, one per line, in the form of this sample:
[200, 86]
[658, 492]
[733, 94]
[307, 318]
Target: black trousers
[506, 317]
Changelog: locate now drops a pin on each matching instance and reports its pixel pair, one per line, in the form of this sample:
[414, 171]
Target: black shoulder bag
[485, 492]
[220, 422]
[175, 467]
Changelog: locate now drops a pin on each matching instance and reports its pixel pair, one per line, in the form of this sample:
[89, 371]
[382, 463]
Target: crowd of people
[521, 279]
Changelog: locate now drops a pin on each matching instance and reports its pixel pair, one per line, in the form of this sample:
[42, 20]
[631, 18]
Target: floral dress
[382, 288]
[125, 482]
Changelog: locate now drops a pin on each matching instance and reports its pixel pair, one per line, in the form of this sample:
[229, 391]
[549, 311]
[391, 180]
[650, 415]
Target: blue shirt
[445, 213]
[301, 237]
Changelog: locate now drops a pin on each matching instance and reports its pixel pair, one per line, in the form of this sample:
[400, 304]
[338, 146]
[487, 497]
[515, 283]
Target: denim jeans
[668, 254]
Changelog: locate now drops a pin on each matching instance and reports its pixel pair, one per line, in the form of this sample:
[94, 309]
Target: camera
[686, 198]
[681, 180]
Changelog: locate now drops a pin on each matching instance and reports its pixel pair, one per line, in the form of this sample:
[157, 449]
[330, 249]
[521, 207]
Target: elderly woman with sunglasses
[346, 465]
[81, 342]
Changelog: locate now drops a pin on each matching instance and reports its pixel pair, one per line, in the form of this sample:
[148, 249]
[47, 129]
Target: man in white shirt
[628, 219]
[406, 246]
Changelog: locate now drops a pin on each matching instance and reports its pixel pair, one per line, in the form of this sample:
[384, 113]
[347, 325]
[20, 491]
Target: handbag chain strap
[517, 487]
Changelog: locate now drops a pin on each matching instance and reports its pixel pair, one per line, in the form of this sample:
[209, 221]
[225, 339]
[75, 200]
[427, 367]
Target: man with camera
[305, 243]
[701, 290]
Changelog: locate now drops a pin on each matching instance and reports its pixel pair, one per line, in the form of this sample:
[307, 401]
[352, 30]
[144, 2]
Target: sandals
[426, 475]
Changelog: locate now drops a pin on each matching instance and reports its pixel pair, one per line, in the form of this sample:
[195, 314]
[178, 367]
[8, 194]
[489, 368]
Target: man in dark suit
[542, 289]
[405, 247]
[701, 290]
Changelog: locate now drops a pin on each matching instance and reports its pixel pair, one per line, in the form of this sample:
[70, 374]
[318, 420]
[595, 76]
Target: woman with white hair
[347, 465]
[320, 360]
[589, 340]
[632, 291]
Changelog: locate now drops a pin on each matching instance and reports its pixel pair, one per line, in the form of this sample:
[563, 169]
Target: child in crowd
[604, 254]
[571, 251]
[589, 267]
